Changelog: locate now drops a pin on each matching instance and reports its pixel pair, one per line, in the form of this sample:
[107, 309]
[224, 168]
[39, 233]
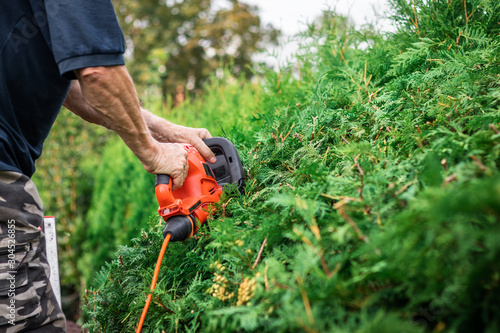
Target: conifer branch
[266, 281]
[479, 163]
[160, 303]
[280, 285]
[325, 267]
[260, 253]
[319, 252]
[405, 187]
[444, 164]
[379, 131]
[448, 180]
[224, 208]
[361, 173]
[353, 224]
[415, 21]
[286, 136]
[305, 299]
[494, 129]
[367, 82]
[465, 8]
[305, 327]
[475, 9]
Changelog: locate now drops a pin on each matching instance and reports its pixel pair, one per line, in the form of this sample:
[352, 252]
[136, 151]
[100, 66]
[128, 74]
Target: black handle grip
[162, 179]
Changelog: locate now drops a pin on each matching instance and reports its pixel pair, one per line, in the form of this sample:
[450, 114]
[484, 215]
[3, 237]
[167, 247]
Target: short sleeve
[84, 34]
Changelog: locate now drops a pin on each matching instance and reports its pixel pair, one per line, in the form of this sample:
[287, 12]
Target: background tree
[176, 44]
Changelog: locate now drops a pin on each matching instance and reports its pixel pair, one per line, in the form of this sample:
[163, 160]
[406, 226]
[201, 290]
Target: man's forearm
[76, 103]
[158, 127]
[110, 93]
[106, 96]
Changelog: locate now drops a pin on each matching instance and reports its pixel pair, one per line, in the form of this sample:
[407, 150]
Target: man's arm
[106, 96]
[161, 129]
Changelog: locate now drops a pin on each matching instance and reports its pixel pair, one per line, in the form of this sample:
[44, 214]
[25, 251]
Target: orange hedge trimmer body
[194, 199]
[202, 187]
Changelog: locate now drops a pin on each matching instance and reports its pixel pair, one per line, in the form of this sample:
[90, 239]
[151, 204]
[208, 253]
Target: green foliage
[121, 196]
[372, 199]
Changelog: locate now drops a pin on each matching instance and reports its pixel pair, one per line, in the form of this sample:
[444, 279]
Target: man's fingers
[206, 152]
[179, 177]
[203, 133]
[177, 182]
[203, 149]
[170, 159]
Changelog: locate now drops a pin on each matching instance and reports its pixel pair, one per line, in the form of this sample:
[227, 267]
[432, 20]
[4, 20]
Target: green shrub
[373, 194]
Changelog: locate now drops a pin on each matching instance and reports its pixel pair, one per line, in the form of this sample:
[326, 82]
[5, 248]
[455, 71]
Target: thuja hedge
[372, 201]
[123, 198]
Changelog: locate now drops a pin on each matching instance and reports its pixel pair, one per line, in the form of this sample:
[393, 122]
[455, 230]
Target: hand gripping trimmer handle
[180, 227]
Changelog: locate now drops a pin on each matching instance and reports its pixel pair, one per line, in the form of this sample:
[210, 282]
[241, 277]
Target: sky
[292, 16]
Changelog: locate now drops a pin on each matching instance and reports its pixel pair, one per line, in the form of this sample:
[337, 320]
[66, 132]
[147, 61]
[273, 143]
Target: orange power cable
[153, 283]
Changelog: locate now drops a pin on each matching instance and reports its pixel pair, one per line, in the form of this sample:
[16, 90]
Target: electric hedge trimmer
[190, 205]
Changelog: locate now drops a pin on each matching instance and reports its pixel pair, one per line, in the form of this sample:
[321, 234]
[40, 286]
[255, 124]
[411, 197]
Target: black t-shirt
[41, 43]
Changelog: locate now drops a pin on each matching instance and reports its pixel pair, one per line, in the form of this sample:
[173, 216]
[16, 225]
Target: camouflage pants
[27, 302]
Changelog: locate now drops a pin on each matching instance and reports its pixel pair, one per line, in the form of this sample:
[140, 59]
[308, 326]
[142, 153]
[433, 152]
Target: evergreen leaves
[373, 196]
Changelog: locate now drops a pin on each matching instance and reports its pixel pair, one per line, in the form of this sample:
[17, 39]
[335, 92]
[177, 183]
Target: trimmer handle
[163, 179]
[163, 185]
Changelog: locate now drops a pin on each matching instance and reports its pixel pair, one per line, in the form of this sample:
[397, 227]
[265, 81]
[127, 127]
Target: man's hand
[171, 160]
[106, 96]
[165, 131]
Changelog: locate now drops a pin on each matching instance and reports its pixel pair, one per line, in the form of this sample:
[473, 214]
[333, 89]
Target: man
[70, 52]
